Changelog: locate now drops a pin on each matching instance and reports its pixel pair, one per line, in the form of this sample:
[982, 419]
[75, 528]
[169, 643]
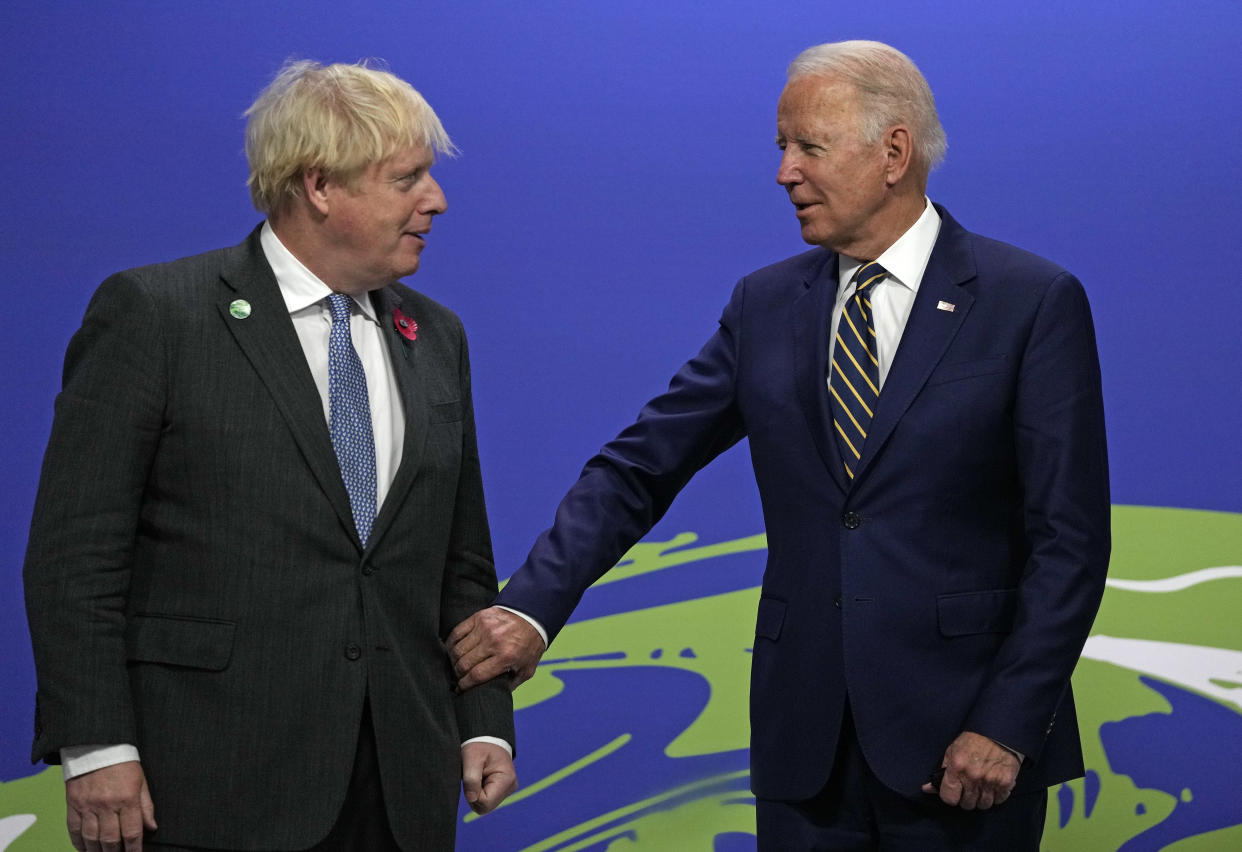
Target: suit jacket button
[352, 652]
[836, 602]
[852, 520]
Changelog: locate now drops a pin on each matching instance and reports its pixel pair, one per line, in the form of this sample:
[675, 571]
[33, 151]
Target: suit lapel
[928, 333]
[812, 315]
[405, 357]
[268, 339]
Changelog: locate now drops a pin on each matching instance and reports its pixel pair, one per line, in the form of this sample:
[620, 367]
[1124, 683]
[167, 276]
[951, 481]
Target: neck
[300, 236]
[887, 226]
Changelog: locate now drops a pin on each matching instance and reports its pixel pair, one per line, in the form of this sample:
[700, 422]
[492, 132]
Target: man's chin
[815, 236]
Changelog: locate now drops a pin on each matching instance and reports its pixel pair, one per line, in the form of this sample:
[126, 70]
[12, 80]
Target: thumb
[148, 808]
[497, 785]
[472, 781]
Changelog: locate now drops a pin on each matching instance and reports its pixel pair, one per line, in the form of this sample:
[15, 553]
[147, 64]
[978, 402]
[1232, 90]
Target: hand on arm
[492, 642]
[107, 809]
[487, 775]
[978, 773]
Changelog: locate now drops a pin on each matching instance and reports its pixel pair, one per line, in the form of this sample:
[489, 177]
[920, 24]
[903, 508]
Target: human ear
[898, 153]
[315, 187]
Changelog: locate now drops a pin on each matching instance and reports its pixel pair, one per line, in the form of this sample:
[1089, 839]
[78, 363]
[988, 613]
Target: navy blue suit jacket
[952, 584]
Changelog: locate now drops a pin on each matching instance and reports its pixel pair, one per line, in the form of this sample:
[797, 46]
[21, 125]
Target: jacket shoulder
[183, 278]
[799, 268]
[996, 254]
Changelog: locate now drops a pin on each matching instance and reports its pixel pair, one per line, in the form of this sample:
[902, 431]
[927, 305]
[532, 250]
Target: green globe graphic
[633, 734]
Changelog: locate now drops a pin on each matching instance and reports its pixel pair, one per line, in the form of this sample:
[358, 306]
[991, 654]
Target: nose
[788, 174]
[434, 202]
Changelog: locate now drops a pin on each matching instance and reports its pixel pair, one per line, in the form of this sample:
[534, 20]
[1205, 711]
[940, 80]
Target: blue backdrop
[617, 177]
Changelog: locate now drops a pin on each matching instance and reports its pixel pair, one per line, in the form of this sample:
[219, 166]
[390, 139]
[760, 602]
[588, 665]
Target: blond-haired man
[261, 511]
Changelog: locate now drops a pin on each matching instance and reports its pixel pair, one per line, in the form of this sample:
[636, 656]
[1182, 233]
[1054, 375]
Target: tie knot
[338, 304]
[869, 275]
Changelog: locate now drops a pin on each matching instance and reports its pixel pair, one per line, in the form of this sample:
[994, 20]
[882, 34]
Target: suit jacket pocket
[200, 643]
[965, 613]
[968, 369]
[770, 619]
[446, 412]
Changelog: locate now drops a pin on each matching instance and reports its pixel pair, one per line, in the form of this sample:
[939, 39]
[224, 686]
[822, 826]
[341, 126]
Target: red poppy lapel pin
[405, 326]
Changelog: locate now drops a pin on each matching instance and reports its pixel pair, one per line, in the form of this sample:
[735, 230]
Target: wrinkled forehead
[817, 101]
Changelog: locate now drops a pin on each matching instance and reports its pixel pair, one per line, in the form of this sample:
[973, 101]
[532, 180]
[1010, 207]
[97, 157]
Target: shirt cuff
[1013, 751]
[543, 634]
[492, 740]
[79, 760]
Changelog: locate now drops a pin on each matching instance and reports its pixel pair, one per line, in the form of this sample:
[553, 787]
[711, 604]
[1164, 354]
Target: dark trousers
[855, 812]
[362, 825]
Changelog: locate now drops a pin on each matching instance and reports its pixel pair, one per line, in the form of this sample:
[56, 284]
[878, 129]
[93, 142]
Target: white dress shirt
[306, 299]
[891, 299]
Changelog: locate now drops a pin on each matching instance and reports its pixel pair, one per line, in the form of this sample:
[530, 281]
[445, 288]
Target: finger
[487, 798]
[491, 795]
[148, 808]
[523, 674]
[130, 823]
[461, 631]
[73, 821]
[482, 672]
[469, 644]
[951, 790]
[985, 800]
[496, 788]
[466, 660]
[90, 831]
[110, 831]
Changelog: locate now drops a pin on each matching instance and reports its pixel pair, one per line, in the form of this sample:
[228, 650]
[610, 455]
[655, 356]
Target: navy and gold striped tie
[854, 382]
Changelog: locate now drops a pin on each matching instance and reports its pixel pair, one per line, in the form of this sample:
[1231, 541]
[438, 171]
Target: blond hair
[337, 118]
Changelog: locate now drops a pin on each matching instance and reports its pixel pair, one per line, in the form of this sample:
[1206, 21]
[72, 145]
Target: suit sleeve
[470, 577]
[627, 487]
[104, 435]
[1063, 470]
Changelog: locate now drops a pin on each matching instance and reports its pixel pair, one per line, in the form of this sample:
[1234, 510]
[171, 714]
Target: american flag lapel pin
[946, 306]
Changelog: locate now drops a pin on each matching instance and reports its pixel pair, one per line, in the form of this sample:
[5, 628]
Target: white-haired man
[261, 512]
[925, 421]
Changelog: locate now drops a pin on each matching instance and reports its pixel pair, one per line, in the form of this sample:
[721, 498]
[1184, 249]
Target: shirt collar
[905, 260]
[300, 287]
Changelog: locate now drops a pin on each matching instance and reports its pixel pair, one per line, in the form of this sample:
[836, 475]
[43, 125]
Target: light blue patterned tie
[350, 419]
[855, 380]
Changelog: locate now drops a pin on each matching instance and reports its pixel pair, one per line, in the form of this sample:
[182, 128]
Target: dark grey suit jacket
[195, 584]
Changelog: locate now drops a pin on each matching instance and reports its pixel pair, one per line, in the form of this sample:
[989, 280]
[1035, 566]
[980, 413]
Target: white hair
[890, 86]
